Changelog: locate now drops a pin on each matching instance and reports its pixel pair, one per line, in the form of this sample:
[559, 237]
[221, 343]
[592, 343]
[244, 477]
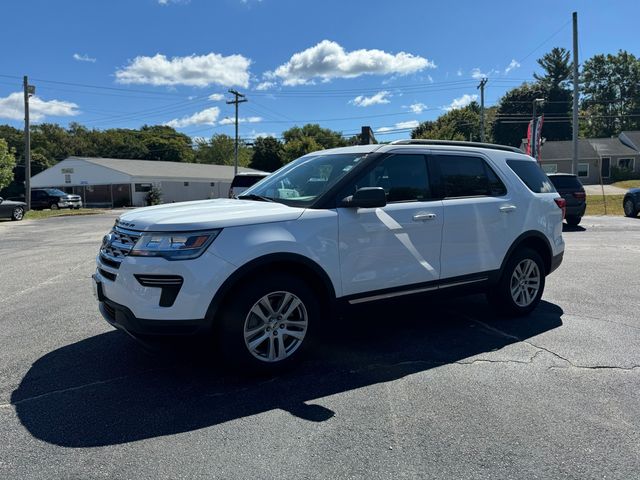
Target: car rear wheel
[266, 326]
[573, 220]
[629, 208]
[521, 286]
[17, 214]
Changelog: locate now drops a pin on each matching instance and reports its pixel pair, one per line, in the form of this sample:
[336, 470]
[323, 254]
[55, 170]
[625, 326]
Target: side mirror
[367, 197]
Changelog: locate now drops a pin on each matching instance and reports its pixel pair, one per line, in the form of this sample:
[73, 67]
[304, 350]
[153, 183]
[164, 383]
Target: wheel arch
[296, 264]
[534, 240]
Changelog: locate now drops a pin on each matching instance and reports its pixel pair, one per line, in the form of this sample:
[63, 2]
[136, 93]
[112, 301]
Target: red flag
[529, 137]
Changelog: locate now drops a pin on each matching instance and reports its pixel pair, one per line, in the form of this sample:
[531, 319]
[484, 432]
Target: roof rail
[457, 143]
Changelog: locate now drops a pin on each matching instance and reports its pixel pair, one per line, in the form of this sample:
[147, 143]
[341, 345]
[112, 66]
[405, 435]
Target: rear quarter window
[532, 175]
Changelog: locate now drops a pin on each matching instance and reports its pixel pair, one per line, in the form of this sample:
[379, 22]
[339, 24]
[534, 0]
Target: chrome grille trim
[123, 242]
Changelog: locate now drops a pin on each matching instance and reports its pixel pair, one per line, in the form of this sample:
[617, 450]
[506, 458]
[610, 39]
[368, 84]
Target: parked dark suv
[573, 192]
[54, 199]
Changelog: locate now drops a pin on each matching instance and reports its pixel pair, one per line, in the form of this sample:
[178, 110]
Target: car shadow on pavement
[106, 390]
[572, 228]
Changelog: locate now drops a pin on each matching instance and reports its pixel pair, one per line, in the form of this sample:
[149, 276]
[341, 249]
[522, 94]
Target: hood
[207, 214]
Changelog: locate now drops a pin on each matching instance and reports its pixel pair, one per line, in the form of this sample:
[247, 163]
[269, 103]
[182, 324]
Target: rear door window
[532, 175]
[563, 182]
[468, 176]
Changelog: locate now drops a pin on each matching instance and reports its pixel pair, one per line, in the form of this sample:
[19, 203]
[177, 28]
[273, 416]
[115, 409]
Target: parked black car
[54, 199]
[570, 188]
[631, 202]
[11, 209]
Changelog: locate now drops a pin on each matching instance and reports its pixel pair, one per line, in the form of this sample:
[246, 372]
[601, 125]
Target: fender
[261, 262]
[517, 243]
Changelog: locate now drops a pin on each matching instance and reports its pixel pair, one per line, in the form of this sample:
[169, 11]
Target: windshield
[54, 192]
[302, 181]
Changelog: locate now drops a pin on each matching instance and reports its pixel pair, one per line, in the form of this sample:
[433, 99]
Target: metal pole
[533, 130]
[574, 136]
[483, 82]
[236, 101]
[27, 146]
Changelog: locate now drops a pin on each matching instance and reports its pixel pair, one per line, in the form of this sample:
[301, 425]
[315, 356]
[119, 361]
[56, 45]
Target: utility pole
[239, 98]
[483, 82]
[574, 136]
[28, 91]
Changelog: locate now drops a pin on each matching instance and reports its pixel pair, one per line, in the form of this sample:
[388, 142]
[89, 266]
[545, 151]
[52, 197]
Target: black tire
[17, 214]
[574, 221]
[501, 296]
[236, 312]
[54, 206]
[630, 210]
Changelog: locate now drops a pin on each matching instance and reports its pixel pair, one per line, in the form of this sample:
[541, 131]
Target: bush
[154, 196]
[618, 174]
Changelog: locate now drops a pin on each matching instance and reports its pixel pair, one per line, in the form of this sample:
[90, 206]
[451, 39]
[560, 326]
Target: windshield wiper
[253, 196]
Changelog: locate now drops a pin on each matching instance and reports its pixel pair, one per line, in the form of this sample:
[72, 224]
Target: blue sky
[343, 64]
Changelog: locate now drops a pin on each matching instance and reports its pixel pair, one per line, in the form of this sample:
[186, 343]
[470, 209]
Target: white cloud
[208, 116]
[216, 97]
[253, 135]
[477, 74]
[193, 70]
[462, 101]
[459, 73]
[167, 2]
[417, 108]
[12, 108]
[328, 60]
[512, 65]
[430, 78]
[265, 85]
[83, 58]
[231, 121]
[400, 125]
[377, 99]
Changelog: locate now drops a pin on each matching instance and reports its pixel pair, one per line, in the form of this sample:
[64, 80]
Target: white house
[115, 182]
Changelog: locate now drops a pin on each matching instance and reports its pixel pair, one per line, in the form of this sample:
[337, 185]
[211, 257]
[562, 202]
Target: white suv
[342, 226]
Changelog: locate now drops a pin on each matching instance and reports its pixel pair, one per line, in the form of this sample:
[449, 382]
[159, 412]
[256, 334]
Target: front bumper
[70, 204]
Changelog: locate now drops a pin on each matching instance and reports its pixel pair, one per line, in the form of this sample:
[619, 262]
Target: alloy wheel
[276, 326]
[525, 282]
[18, 213]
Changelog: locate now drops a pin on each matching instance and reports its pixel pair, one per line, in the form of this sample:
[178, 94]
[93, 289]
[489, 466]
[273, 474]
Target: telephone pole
[574, 133]
[239, 98]
[29, 90]
[483, 82]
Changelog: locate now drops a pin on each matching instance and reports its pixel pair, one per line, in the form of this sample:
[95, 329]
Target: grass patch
[39, 214]
[627, 184]
[595, 205]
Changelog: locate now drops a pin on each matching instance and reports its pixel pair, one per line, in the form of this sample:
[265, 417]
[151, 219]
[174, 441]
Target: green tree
[611, 94]
[324, 137]
[298, 147]
[557, 69]
[267, 154]
[7, 164]
[220, 151]
[456, 124]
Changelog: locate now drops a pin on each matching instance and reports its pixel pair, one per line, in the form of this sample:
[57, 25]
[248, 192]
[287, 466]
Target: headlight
[174, 245]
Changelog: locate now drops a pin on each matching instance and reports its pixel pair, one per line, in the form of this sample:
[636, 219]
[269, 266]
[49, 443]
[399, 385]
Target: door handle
[507, 208]
[423, 216]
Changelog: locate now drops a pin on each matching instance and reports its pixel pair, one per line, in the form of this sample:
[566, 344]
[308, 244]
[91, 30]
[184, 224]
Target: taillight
[580, 195]
[562, 204]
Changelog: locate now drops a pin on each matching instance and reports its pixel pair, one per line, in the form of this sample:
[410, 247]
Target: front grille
[120, 243]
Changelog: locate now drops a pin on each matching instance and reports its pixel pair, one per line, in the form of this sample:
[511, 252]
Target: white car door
[397, 245]
[481, 216]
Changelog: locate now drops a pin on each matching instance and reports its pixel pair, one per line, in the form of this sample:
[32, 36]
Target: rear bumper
[556, 260]
[576, 210]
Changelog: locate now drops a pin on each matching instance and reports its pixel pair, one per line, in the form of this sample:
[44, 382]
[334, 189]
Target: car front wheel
[266, 325]
[629, 208]
[17, 214]
[521, 286]
[54, 206]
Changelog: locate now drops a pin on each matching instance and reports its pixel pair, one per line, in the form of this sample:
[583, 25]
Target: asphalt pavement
[420, 389]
